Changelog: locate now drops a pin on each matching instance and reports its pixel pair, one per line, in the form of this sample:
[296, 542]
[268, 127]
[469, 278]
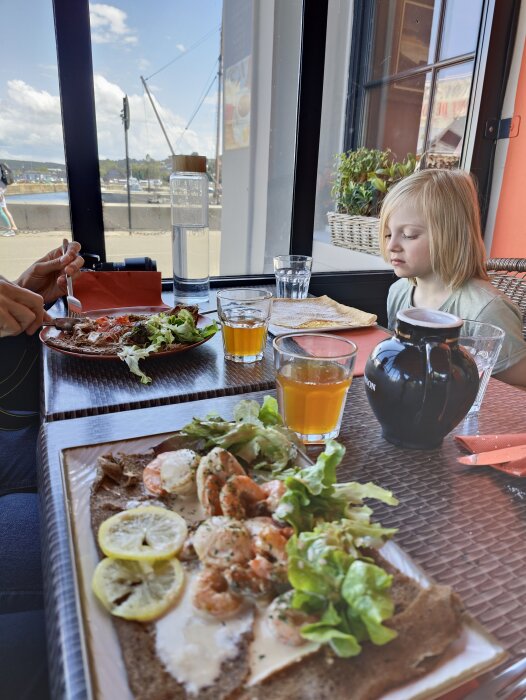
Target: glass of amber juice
[244, 316]
[313, 374]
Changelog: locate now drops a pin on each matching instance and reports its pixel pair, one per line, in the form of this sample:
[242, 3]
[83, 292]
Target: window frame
[77, 97]
[496, 38]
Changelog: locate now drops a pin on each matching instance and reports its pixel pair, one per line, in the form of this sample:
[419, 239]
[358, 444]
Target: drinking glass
[244, 316]
[313, 375]
[292, 276]
[483, 342]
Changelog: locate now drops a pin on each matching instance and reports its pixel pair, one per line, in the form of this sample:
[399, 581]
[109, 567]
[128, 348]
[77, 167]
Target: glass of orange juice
[313, 375]
[244, 316]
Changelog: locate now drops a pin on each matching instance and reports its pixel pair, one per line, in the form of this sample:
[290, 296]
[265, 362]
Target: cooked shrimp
[286, 623]
[151, 477]
[222, 542]
[239, 495]
[269, 542]
[213, 471]
[244, 581]
[170, 472]
[274, 491]
[213, 596]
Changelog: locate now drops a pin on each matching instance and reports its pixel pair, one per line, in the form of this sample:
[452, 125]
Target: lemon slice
[137, 590]
[143, 534]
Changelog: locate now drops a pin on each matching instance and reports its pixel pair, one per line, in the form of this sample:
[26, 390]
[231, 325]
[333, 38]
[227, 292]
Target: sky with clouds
[173, 44]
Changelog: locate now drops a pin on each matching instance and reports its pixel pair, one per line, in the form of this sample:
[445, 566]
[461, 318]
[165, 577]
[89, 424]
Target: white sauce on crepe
[268, 655]
[193, 647]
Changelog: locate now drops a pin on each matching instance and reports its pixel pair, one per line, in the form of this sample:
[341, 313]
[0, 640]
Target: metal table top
[465, 526]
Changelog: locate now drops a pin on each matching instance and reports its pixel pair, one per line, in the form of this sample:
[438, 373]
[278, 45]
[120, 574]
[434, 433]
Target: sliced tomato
[123, 320]
[103, 322]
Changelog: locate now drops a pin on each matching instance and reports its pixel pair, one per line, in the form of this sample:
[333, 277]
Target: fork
[74, 305]
[64, 324]
[509, 684]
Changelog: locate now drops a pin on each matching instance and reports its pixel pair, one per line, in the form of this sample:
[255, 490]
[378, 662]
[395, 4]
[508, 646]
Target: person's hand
[20, 310]
[47, 276]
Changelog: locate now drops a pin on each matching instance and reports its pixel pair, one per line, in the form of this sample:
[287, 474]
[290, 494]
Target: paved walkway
[18, 252]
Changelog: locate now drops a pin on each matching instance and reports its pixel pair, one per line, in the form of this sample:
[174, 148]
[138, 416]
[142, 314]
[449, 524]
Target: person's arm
[516, 374]
[47, 276]
[20, 310]
[511, 363]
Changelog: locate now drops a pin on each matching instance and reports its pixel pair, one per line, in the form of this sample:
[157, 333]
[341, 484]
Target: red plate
[51, 332]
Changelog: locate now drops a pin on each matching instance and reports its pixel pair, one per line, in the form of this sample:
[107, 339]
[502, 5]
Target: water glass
[244, 315]
[313, 375]
[292, 276]
[483, 342]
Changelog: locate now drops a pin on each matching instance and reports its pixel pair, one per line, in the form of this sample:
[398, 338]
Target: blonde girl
[430, 232]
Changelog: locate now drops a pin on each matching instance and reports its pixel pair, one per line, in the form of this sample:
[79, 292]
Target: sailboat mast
[218, 128]
[159, 119]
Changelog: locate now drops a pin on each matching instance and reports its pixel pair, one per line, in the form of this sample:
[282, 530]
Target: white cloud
[181, 47]
[108, 25]
[31, 126]
[211, 99]
[30, 123]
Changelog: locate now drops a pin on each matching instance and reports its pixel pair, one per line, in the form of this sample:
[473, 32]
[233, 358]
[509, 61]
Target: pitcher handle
[438, 373]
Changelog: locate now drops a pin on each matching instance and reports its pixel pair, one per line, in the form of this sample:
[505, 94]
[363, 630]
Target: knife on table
[485, 459]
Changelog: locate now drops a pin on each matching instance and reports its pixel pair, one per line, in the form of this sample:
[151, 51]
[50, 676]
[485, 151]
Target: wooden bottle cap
[189, 164]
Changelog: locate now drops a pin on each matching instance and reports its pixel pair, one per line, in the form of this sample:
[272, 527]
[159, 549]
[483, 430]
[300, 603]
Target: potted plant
[362, 179]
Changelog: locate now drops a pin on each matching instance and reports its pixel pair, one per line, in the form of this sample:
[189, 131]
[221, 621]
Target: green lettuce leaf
[269, 414]
[131, 355]
[164, 330]
[366, 591]
[256, 435]
[313, 495]
[329, 630]
[334, 580]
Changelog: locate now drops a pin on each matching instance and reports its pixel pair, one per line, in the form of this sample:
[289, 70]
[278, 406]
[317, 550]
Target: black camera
[129, 265]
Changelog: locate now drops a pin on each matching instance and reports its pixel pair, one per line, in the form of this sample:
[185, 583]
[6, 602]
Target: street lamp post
[125, 116]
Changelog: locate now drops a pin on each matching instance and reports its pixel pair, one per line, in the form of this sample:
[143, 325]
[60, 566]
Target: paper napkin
[114, 290]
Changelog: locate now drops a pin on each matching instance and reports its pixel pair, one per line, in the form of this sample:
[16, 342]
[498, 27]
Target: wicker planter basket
[355, 232]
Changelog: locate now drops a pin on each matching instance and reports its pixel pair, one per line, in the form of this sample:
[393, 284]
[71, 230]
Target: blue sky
[130, 38]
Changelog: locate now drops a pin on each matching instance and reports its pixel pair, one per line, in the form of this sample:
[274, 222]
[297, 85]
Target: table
[465, 526]
[73, 387]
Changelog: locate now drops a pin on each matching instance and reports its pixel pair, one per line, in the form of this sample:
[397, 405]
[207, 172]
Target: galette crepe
[318, 312]
[239, 620]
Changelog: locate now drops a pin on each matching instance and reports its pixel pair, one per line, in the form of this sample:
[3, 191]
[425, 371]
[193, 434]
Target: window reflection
[404, 35]
[395, 113]
[461, 27]
[448, 119]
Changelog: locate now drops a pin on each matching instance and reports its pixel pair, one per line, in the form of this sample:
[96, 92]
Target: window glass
[394, 114]
[31, 141]
[448, 119]
[168, 65]
[423, 114]
[461, 27]
[403, 35]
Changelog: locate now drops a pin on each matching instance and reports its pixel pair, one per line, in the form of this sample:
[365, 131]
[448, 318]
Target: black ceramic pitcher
[421, 383]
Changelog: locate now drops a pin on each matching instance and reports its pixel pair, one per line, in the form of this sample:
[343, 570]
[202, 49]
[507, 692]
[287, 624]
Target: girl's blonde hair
[447, 199]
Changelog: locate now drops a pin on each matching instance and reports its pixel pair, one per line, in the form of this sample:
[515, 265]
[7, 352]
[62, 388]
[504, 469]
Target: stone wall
[54, 216]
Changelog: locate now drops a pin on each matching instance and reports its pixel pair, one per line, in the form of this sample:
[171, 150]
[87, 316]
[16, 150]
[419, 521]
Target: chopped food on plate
[134, 336]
